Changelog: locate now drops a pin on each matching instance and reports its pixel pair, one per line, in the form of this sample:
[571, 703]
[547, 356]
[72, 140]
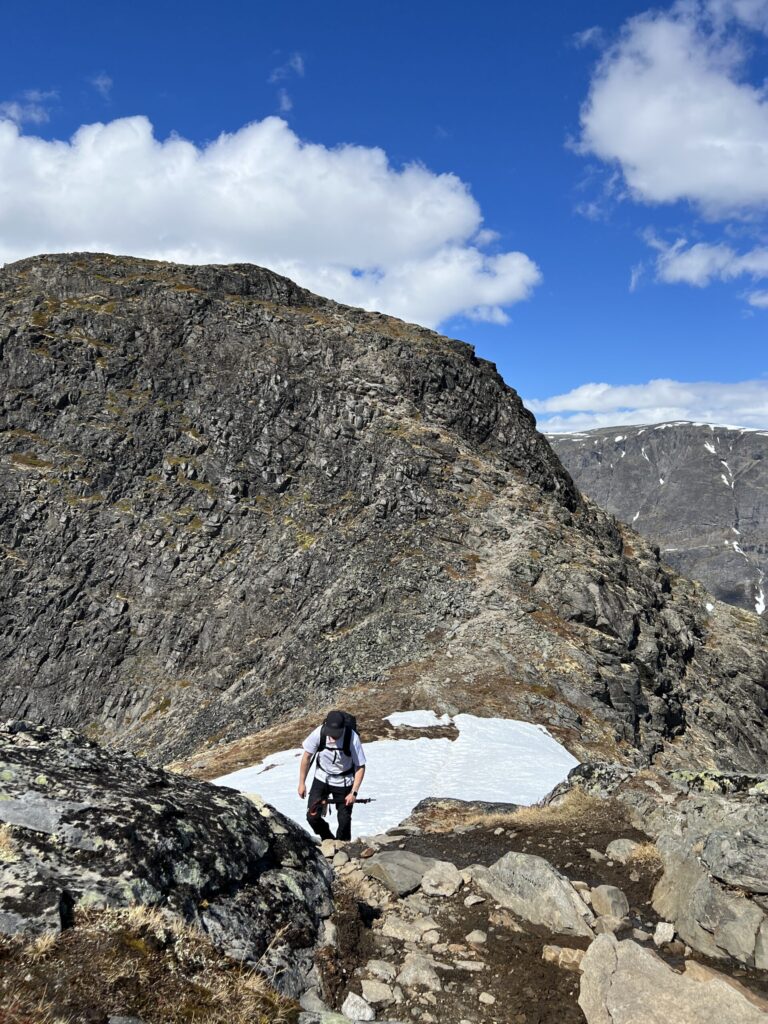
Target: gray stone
[621, 850]
[419, 972]
[533, 890]
[381, 969]
[564, 957]
[377, 993]
[476, 937]
[356, 1008]
[738, 857]
[399, 870]
[396, 927]
[441, 879]
[622, 983]
[609, 901]
[312, 1000]
[663, 933]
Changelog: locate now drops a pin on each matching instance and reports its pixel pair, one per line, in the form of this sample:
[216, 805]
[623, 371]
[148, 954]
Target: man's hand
[349, 799]
[302, 790]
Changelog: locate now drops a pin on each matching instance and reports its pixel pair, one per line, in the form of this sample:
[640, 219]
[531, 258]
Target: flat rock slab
[622, 983]
[533, 890]
[399, 870]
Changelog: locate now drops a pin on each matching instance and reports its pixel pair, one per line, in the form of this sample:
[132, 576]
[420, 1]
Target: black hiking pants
[321, 793]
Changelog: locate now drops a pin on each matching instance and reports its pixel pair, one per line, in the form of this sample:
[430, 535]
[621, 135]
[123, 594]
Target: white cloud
[702, 263]
[293, 66]
[593, 36]
[669, 104]
[30, 108]
[102, 83]
[743, 404]
[284, 101]
[758, 299]
[341, 221]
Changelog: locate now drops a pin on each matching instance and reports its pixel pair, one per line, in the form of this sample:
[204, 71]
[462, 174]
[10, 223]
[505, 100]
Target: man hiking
[338, 776]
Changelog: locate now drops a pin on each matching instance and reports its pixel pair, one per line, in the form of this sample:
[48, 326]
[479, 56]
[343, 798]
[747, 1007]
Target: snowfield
[494, 759]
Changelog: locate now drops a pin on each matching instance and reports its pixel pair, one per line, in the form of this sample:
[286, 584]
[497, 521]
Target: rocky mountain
[698, 491]
[225, 501]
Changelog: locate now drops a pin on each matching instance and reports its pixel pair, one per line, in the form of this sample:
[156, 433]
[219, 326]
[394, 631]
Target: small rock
[356, 1008]
[664, 933]
[640, 935]
[476, 937]
[473, 899]
[487, 998]
[609, 925]
[431, 937]
[565, 957]
[328, 847]
[498, 831]
[340, 859]
[469, 965]
[608, 901]
[381, 969]
[595, 855]
[377, 992]
[581, 886]
[312, 1001]
[418, 972]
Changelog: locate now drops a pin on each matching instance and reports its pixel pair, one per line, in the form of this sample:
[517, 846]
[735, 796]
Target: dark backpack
[350, 726]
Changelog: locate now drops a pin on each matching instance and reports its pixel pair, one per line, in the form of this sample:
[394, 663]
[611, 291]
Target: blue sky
[579, 190]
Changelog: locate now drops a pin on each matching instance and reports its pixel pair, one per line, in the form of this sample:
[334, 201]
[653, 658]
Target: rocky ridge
[698, 491]
[224, 499]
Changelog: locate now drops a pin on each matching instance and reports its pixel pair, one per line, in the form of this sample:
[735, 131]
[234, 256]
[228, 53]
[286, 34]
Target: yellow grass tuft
[646, 857]
[9, 849]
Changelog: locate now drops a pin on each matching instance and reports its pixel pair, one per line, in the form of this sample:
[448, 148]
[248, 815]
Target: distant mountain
[698, 491]
[226, 503]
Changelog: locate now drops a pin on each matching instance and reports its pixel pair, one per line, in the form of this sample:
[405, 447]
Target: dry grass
[574, 806]
[134, 961]
[646, 858]
[9, 850]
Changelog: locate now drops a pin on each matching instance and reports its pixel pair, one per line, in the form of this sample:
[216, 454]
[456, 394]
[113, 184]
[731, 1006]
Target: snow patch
[760, 602]
[621, 437]
[661, 480]
[710, 447]
[495, 759]
[643, 453]
[635, 517]
[709, 606]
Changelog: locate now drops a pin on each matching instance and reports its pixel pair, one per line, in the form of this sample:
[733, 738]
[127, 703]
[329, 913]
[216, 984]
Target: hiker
[338, 776]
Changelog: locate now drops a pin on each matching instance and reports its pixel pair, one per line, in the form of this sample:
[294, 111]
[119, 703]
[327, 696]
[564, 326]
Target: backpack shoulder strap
[347, 741]
[323, 739]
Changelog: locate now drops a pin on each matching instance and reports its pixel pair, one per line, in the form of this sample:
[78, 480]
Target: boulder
[442, 879]
[608, 901]
[399, 870]
[706, 916]
[622, 983]
[98, 828]
[533, 890]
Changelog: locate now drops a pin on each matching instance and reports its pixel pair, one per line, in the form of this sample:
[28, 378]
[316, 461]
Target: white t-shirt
[333, 766]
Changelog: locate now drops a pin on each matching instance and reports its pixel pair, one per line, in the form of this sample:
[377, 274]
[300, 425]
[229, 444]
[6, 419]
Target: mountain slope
[699, 491]
[226, 500]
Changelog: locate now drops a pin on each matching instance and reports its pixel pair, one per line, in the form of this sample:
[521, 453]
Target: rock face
[699, 492]
[223, 498]
[94, 829]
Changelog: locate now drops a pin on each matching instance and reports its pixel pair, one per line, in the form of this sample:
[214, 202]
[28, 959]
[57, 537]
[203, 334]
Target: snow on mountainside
[698, 490]
[492, 759]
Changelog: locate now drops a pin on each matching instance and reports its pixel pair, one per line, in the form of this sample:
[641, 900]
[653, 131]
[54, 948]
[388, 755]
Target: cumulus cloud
[342, 221]
[742, 404]
[30, 108]
[758, 299]
[669, 104]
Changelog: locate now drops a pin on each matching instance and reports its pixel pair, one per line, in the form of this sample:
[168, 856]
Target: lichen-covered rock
[223, 498]
[99, 829]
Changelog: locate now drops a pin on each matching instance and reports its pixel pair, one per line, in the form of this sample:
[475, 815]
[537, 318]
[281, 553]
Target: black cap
[334, 724]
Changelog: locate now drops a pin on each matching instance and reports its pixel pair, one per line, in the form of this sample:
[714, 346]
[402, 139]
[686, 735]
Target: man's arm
[350, 799]
[303, 769]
